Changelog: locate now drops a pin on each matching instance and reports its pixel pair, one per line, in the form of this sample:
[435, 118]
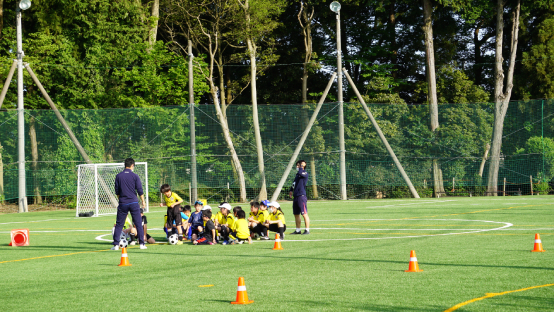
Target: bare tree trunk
[432, 87]
[307, 32]
[227, 135]
[501, 96]
[259, 149]
[430, 58]
[1, 16]
[436, 179]
[392, 30]
[153, 33]
[482, 167]
[34, 154]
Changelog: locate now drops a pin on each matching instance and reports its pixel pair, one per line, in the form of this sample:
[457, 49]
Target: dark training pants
[122, 211]
[260, 229]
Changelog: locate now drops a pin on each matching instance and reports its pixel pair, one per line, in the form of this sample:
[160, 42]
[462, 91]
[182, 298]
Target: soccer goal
[95, 187]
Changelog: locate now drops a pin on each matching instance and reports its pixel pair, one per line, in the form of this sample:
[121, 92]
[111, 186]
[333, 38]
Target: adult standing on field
[300, 201]
[127, 186]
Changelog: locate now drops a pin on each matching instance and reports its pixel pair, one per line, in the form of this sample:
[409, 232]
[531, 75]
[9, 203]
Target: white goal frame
[93, 182]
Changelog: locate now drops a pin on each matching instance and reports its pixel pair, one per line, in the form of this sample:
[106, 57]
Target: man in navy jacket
[300, 201]
[127, 185]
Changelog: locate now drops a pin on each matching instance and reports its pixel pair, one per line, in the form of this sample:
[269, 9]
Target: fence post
[531, 183]
[190, 194]
[504, 188]
[96, 187]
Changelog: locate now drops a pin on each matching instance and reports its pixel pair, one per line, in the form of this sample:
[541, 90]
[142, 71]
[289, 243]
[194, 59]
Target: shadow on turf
[364, 306]
[400, 262]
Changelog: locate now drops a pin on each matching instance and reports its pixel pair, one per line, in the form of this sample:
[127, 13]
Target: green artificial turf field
[475, 254]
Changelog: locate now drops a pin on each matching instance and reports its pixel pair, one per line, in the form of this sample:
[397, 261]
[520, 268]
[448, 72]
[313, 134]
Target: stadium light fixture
[24, 4]
[335, 6]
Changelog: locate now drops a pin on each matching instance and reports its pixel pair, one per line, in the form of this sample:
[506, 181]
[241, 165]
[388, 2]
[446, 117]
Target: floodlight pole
[22, 202]
[342, 161]
[193, 177]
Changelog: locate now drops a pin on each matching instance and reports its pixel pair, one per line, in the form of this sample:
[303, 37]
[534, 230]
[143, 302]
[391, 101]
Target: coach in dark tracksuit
[127, 185]
[300, 201]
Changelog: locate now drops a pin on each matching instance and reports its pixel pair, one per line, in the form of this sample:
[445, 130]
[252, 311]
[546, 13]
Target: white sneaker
[142, 246]
[133, 243]
[116, 247]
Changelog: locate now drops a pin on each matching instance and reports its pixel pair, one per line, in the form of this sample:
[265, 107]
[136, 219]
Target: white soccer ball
[173, 239]
[123, 243]
[124, 236]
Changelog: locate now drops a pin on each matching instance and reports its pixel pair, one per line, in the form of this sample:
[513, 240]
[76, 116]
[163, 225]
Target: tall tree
[502, 94]
[305, 18]
[205, 23]
[154, 18]
[430, 61]
[259, 22]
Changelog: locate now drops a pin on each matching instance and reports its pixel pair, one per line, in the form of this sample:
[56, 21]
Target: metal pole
[341, 116]
[8, 80]
[193, 177]
[382, 137]
[147, 200]
[96, 189]
[20, 120]
[78, 191]
[302, 140]
[542, 136]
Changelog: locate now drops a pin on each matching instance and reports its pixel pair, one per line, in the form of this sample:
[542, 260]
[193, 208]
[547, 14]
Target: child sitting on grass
[208, 235]
[241, 228]
[195, 221]
[185, 215]
[276, 221]
[226, 223]
[147, 238]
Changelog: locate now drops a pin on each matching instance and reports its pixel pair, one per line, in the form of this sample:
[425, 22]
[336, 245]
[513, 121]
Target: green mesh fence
[160, 136]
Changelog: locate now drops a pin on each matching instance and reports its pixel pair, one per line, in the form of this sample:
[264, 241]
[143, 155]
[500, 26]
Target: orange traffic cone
[277, 245]
[413, 263]
[538, 244]
[19, 238]
[242, 296]
[124, 258]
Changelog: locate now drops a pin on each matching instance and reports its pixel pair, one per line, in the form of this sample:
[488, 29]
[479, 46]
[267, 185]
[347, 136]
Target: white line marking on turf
[410, 204]
[101, 238]
[37, 221]
[506, 225]
[355, 229]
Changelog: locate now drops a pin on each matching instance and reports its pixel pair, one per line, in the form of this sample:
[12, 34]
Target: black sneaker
[295, 233]
[306, 232]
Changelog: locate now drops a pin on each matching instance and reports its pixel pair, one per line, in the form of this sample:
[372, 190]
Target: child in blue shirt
[195, 221]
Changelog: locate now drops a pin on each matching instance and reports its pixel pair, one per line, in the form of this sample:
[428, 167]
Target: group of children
[228, 226]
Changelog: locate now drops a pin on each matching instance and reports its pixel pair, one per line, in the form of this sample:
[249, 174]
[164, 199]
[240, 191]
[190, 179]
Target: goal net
[95, 187]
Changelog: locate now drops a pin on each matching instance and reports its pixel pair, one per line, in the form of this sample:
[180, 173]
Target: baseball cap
[265, 202]
[198, 203]
[225, 205]
[207, 207]
[274, 204]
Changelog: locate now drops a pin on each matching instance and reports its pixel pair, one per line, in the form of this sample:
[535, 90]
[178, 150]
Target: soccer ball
[124, 236]
[123, 243]
[173, 239]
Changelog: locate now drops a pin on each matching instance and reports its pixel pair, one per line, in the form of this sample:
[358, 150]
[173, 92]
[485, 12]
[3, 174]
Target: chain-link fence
[160, 137]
